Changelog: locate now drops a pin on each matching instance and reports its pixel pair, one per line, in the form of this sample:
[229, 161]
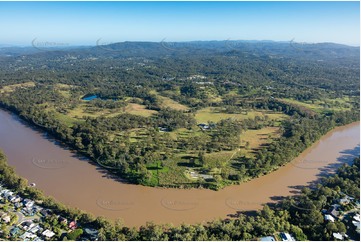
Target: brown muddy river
[75, 182]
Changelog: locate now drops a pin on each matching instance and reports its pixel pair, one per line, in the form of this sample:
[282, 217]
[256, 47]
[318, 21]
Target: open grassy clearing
[170, 103]
[69, 121]
[86, 109]
[252, 140]
[219, 159]
[156, 170]
[64, 89]
[337, 104]
[138, 109]
[166, 102]
[11, 88]
[174, 174]
[212, 114]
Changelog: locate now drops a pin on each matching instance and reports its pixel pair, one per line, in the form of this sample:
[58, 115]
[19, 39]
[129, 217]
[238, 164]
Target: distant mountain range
[285, 49]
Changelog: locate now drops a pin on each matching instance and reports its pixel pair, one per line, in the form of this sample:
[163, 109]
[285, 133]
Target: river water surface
[76, 182]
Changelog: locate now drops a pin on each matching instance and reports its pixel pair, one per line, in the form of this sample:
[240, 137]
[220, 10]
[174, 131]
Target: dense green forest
[302, 216]
[226, 111]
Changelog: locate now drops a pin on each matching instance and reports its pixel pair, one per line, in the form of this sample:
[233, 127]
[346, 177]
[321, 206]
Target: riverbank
[341, 196]
[61, 174]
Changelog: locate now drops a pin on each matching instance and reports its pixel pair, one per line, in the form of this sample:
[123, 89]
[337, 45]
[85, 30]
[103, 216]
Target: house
[337, 236]
[6, 193]
[18, 205]
[35, 229]
[46, 212]
[28, 203]
[6, 218]
[163, 129]
[48, 233]
[11, 198]
[27, 211]
[356, 222]
[91, 233]
[14, 231]
[72, 225]
[329, 218]
[286, 237]
[26, 225]
[62, 220]
[268, 238]
[204, 126]
[333, 210]
[15, 199]
[345, 200]
[28, 235]
[37, 208]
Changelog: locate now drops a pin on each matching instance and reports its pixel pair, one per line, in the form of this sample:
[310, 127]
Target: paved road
[22, 217]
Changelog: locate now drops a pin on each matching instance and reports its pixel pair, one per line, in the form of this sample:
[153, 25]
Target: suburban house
[286, 237]
[204, 126]
[48, 233]
[6, 218]
[329, 218]
[356, 222]
[268, 238]
[28, 235]
[72, 225]
[46, 212]
[337, 236]
[92, 234]
[35, 229]
[62, 220]
[28, 203]
[14, 231]
[28, 225]
[333, 210]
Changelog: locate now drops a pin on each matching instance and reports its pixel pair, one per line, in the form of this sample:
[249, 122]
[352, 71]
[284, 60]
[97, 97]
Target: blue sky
[76, 23]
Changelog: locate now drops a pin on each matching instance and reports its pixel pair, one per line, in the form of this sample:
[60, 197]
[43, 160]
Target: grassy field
[174, 174]
[138, 109]
[257, 139]
[337, 104]
[63, 89]
[86, 109]
[219, 159]
[210, 114]
[170, 103]
[11, 88]
[69, 121]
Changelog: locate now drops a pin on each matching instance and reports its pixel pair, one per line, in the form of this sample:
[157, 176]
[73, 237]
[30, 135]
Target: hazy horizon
[69, 45]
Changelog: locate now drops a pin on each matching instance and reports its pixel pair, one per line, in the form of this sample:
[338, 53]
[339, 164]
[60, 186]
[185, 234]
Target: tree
[201, 158]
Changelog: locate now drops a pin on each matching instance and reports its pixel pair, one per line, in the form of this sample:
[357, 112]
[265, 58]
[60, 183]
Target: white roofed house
[286, 237]
[6, 193]
[16, 199]
[328, 217]
[337, 236]
[27, 225]
[48, 233]
[28, 235]
[6, 218]
[356, 222]
[28, 203]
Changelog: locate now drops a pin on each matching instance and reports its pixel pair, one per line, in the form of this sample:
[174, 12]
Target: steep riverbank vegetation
[301, 216]
[198, 116]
